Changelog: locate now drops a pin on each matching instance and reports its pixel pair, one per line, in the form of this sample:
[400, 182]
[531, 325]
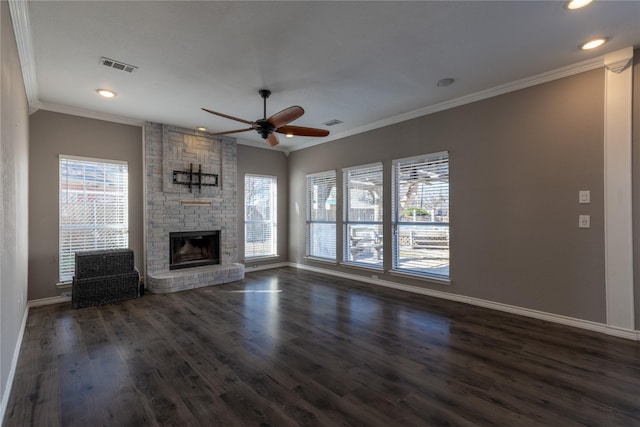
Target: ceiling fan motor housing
[264, 128]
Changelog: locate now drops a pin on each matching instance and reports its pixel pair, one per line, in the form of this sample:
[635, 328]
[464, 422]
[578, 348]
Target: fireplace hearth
[194, 249]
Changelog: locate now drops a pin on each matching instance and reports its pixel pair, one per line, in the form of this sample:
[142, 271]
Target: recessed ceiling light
[202, 128]
[577, 4]
[448, 81]
[106, 93]
[289, 135]
[592, 44]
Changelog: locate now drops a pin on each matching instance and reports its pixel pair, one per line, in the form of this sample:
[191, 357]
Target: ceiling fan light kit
[277, 123]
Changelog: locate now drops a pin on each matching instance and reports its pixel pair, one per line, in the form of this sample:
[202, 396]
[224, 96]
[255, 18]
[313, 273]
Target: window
[421, 215]
[321, 215]
[363, 215]
[260, 216]
[94, 208]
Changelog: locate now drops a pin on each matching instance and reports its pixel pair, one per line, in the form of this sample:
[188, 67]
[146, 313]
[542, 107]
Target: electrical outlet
[584, 221]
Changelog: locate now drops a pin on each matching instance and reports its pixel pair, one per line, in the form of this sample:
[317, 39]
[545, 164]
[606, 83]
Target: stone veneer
[172, 208]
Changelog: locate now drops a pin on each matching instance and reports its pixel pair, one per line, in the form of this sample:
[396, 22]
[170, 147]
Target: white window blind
[363, 215]
[94, 208]
[321, 215]
[260, 201]
[421, 215]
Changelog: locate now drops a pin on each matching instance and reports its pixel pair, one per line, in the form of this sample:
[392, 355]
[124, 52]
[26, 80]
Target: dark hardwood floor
[287, 347]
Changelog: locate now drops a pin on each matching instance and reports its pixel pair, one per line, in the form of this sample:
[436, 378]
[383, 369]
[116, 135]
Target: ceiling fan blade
[272, 139]
[230, 131]
[285, 116]
[302, 131]
[226, 116]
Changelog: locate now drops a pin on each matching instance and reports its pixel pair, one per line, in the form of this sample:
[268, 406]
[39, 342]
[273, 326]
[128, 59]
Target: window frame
[397, 224]
[66, 251]
[271, 223]
[330, 174]
[372, 243]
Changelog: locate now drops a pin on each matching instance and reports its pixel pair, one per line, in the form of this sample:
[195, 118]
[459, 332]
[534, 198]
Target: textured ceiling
[360, 62]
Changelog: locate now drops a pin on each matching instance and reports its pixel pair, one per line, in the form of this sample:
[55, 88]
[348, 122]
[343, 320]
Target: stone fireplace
[191, 230]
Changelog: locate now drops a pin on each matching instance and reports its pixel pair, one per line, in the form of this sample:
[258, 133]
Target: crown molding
[545, 77]
[263, 145]
[89, 114]
[619, 60]
[22, 31]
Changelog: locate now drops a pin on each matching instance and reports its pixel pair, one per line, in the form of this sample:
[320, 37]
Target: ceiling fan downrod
[264, 93]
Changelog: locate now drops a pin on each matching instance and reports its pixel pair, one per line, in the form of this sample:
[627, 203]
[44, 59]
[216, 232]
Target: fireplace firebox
[194, 249]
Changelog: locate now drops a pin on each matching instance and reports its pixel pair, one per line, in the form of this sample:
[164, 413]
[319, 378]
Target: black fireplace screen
[194, 249]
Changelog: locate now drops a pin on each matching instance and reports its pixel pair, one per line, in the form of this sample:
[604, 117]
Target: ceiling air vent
[111, 63]
[332, 122]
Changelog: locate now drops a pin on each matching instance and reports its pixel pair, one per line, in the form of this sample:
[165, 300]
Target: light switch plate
[584, 221]
[584, 196]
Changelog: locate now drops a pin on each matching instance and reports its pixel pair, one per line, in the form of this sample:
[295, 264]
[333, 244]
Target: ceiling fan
[279, 122]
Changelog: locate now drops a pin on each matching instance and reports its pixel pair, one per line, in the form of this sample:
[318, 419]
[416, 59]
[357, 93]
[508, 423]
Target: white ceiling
[364, 63]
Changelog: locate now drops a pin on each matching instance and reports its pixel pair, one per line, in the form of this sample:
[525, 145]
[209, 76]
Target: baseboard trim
[14, 364]
[621, 332]
[48, 301]
[521, 311]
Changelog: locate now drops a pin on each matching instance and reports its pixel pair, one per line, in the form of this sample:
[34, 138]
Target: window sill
[323, 260]
[362, 267]
[248, 260]
[64, 285]
[425, 277]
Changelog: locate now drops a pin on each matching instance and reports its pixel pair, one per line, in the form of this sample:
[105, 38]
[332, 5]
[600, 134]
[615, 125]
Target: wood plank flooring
[292, 348]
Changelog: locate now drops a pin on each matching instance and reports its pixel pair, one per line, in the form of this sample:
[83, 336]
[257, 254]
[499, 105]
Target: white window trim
[395, 223]
[345, 221]
[441, 280]
[90, 159]
[273, 223]
[328, 173]
[62, 157]
[367, 166]
[419, 157]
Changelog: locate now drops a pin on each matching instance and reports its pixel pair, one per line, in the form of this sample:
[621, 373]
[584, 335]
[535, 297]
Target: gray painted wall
[14, 169]
[517, 162]
[52, 134]
[261, 161]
